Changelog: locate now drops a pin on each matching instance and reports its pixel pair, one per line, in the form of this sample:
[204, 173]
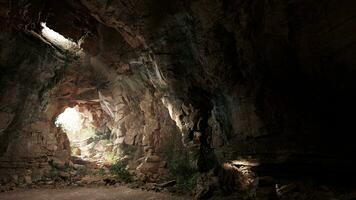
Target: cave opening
[60, 41]
[89, 137]
[71, 122]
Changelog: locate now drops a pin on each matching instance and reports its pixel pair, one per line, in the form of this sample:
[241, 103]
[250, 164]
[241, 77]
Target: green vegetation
[101, 172]
[101, 136]
[119, 170]
[180, 164]
[110, 157]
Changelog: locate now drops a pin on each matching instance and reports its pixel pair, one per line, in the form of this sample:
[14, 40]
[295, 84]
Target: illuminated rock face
[267, 81]
[242, 78]
[122, 106]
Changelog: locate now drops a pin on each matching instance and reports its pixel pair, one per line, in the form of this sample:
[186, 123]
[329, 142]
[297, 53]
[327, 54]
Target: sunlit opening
[87, 141]
[75, 125]
[59, 40]
[70, 121]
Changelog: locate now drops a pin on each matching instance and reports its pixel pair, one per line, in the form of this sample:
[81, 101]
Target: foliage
[181, 170]
[101, 136]
[101, 172]
[119, 170]
[180, 164]
[110, 157]
[206, 159]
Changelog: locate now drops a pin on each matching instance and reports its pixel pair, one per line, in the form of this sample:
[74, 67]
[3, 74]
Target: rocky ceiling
[261, 81]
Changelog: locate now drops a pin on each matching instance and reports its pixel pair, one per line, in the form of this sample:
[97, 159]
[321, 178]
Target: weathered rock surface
[237, 80]
[28, 137]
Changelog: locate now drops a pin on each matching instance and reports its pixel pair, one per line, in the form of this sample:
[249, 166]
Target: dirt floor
[87, 193]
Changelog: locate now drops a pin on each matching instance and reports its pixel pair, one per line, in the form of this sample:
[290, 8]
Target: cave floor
[86, 193]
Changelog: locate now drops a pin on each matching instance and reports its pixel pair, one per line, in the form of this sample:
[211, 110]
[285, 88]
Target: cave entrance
[88, 134]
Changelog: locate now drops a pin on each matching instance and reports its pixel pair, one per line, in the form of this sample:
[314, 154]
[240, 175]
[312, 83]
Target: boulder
[64, 175]
[57, 163]
[28, 179]
[148, 167]
[153, 158]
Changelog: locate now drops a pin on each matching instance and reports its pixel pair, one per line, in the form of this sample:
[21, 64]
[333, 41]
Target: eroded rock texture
[251, 70]
[266, 82]
[29, 139]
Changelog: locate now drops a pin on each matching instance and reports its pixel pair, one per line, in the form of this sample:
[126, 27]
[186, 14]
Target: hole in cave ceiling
[60, 41]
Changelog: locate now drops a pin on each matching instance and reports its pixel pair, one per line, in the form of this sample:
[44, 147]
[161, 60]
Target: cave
[224, 99]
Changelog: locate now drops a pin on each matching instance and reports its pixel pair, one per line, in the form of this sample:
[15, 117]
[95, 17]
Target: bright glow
[75, 125]
[58, 39]
[70, 120]
[172, 112]
[245, 162]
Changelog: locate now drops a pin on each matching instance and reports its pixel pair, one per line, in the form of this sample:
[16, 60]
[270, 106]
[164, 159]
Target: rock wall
[264, 75]
[28, 136]
[110, 78]
[259, 80]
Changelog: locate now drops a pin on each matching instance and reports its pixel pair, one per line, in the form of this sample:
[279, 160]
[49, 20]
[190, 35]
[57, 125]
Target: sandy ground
[83, 193]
